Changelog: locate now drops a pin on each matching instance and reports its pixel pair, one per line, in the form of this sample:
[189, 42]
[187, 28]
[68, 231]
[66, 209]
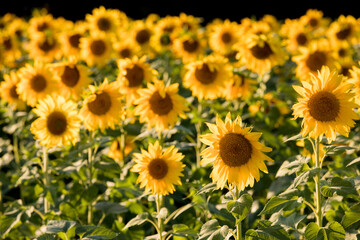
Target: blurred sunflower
[315, 21]
[11, 48]
[41, 24]
[189, 22]
[132, 73]
[311, 58]
[223, 36]
[9, 93]
[140, 33]
[259, 53]
[159, 170]
[18, 28]
[344, 65]
[297, 36]
[58, 123]
[326, 105]
[161, 41]
[103, 108]
[124, 48]
[115, 151]
[44, 48]
[241, 87]
[342, 50]
[236, 153]
[95, 50]
[160, 106]
[105, 20]
[355, 79]
[344, 28]
[70, 42]
[208, 78]
[189, 46]
[36, 82]
[73, 78]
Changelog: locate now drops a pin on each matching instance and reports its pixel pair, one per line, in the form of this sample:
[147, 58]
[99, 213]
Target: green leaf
[351, 219]
[111, 207]
[311, 231]
[275, 204]
[210, 187]
[90, 232]
[183, 230]
[355, 161]
[178, 211]
[46, 236]
[138, 220]
[321, 235]
[56, 226]
[240, 208]
[8, 222]
[294, 138]
[290, 167]
[340, 187]
[252, 234]
[303, 177]
[273, 230]
[336, 231]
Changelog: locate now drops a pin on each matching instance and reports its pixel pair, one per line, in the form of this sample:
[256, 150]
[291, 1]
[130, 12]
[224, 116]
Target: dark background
[208, 10]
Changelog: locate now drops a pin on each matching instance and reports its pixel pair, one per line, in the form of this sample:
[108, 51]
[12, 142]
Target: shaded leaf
[138, 220]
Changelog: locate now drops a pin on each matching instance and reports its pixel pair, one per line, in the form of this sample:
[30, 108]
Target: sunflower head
[159, 170]
[58, 123]
[9, 91]
[95, 50]
[326, 105]
[235, 152]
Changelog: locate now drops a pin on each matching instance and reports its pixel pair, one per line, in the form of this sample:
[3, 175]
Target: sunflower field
[169, 128]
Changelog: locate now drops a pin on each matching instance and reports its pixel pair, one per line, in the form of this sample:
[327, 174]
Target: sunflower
[18, 28]
[326, 105]
[236, 153]
[95, 50]
[355, 79]
[44, 48]
[160, 106]
[314, 20]
[9, 93]
[189, 22]
[311, 58]
[159, 170]
[271, 20]
[189, 46]
[103, 108]
[161, 41]
[11, 48]
[259, 53]
[344, 29]
[41, 24]
[167, 24]
[124, 48]
[58, 123]
[223, 37]
[140, 33]
[35, 82]
[115, 151]
[297, 36]
[209, 77]
[344, 65]
[73, 78]
[132, 73]
[70, 42]
[105, 20]
[241, 87]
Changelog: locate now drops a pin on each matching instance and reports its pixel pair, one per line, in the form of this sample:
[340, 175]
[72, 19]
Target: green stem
[198, 132]
[238, 223]
[318, 212]
[90, 163]
[46, 177]
[158, 201]
[16, 150]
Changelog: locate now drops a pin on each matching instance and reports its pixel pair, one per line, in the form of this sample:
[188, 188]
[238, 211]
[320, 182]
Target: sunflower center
[190, 45]
[70, 76]
[160, 105]
[98, 47]
[324, 106]
[101, 105]
[345, 71]
[47, 45]
[13, 92]
[56, 123]
[135, 76]
[74, 40]
[18, 33]
[301, 39]
[344, 33]
[313, 22]
[125, 53]
[342, 52]
[103, 24]
[226, 37]
[261, 52]
[142, 36]
[165, 40]
[7, 44]
[38, 83]
[316, 60]
[158, 168]
[235, 149]
[42, 27]
[205, 75]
